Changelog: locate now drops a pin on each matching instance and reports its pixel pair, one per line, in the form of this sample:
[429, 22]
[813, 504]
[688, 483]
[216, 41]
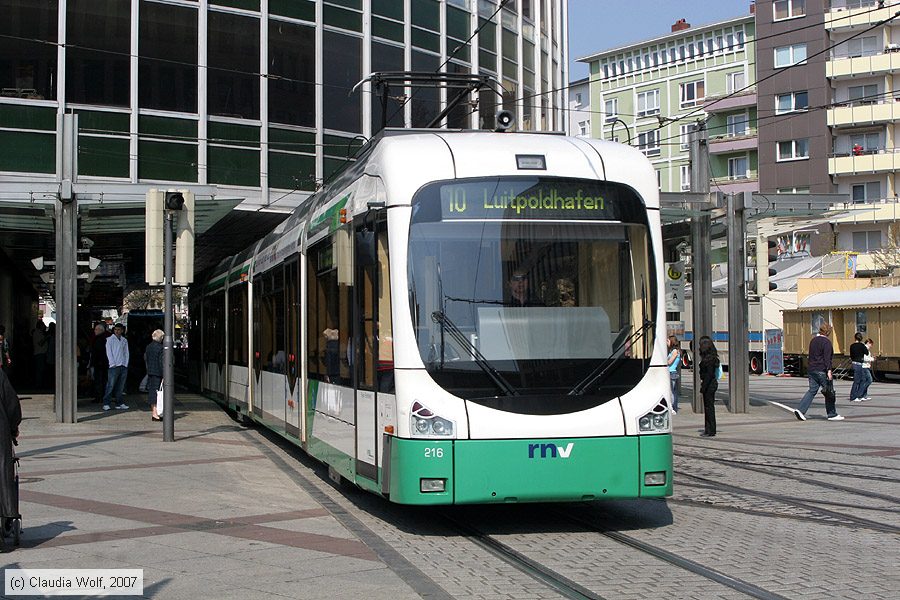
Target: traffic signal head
[765, 254]
[174, 200]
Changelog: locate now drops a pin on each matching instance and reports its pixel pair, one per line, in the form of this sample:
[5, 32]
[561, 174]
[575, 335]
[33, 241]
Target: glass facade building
[255, 96]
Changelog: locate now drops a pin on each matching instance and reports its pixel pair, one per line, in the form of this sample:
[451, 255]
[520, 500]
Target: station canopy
[111, 228]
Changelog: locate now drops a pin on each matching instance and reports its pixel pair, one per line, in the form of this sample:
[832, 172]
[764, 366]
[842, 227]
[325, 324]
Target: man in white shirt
[117, 353]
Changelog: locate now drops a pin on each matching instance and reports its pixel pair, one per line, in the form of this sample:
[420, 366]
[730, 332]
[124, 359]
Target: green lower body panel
[656, 456]
[490, 471]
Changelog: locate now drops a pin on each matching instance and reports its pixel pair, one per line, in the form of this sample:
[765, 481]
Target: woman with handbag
[153, 358]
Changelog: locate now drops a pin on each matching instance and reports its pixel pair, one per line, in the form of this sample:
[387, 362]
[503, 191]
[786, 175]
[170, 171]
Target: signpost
[774, 352]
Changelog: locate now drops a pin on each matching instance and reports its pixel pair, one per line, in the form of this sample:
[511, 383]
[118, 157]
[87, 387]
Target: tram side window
[328, 317]
[292, 289]
[271, 323]
[237, 325]
[214, 334]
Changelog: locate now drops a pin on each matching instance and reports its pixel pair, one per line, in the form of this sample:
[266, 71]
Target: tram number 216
[434, 453]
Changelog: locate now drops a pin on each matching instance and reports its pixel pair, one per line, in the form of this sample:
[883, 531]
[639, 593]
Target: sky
[596, 25]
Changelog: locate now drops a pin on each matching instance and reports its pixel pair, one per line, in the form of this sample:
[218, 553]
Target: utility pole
[66, 209]
[173, 202]
[738, 350]
[701, 278]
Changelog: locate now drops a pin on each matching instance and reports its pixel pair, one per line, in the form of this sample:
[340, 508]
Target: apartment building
[651, 93]
[579, 121]
[864, 120]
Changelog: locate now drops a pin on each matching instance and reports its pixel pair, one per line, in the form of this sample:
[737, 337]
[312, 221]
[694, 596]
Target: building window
[865, 143]
[792, 101]
[233, 87]
[343, 55]
[788, 9]
[611, 109]
[735, 82]
[786, 56]
[648, 103]
[863, 94]
[658, 179]
[865, 192]
[684, 135]
[737, 124]
[28, 68]
[648, 142]
[792, 190]
[578, 99]
[738, 168]
[292, 65]
[691, 93]
[584, 128]
[685, 178]
[168, 65]
[102, 74]
[793, 149]
[856, 47]
[866, 241]
[861, 321]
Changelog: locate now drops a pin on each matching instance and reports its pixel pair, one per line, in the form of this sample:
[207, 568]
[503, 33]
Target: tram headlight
[657, 420]
[425, 423]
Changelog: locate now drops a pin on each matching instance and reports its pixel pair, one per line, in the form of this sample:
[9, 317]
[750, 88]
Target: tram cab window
[543, 296]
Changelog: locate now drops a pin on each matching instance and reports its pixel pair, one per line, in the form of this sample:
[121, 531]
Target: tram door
[372, 343]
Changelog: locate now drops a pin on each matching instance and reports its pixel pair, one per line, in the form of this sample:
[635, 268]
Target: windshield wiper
[604, 367]
[446, 324]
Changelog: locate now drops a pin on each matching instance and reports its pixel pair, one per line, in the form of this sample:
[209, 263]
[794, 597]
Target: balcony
[860, 113]
[872, 161]
[849, 14]
[724, 102]
[735, 185]
[843, 68]
[723, 144]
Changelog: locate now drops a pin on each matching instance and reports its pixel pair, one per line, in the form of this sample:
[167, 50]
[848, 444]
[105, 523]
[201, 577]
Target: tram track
[860, 522]
[677, 560]
[550, 578]
[818, 461]
[806, 480]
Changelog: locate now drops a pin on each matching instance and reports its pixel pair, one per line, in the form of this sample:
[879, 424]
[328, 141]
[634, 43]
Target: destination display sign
[532, 198]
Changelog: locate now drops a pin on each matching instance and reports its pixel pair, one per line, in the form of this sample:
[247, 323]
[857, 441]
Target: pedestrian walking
[820, 376]
[39, 352]
[674, 361]
[858, 352]
[10, 418]
[5, 359]
[117, 354]
[868, 359]
[709, 383]
[99, 363]
[153, 359]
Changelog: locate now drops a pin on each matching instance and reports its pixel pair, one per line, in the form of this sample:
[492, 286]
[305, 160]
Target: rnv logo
[550, 450]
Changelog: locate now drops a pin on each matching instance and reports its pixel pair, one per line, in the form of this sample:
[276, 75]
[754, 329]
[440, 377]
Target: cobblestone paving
[793, 516]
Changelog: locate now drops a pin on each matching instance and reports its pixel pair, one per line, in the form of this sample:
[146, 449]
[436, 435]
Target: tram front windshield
[532, 294]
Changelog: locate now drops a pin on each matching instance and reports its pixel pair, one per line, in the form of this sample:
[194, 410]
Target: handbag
[159, 400]
[719, 373]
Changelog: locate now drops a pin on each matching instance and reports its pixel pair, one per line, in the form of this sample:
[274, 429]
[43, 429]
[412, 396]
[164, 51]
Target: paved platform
[231, 512]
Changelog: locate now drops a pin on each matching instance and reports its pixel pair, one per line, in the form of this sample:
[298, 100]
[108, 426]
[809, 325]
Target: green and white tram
[459, 317]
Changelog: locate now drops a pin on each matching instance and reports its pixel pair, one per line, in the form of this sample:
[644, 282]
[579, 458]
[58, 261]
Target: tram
[458, 317]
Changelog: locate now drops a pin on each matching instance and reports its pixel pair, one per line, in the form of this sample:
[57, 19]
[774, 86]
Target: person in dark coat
[10, 418]
[709, 366]
[153, 359]
[99, 362]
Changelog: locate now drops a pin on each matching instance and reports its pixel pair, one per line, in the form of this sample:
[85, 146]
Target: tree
[150, 298]
[888, 257]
